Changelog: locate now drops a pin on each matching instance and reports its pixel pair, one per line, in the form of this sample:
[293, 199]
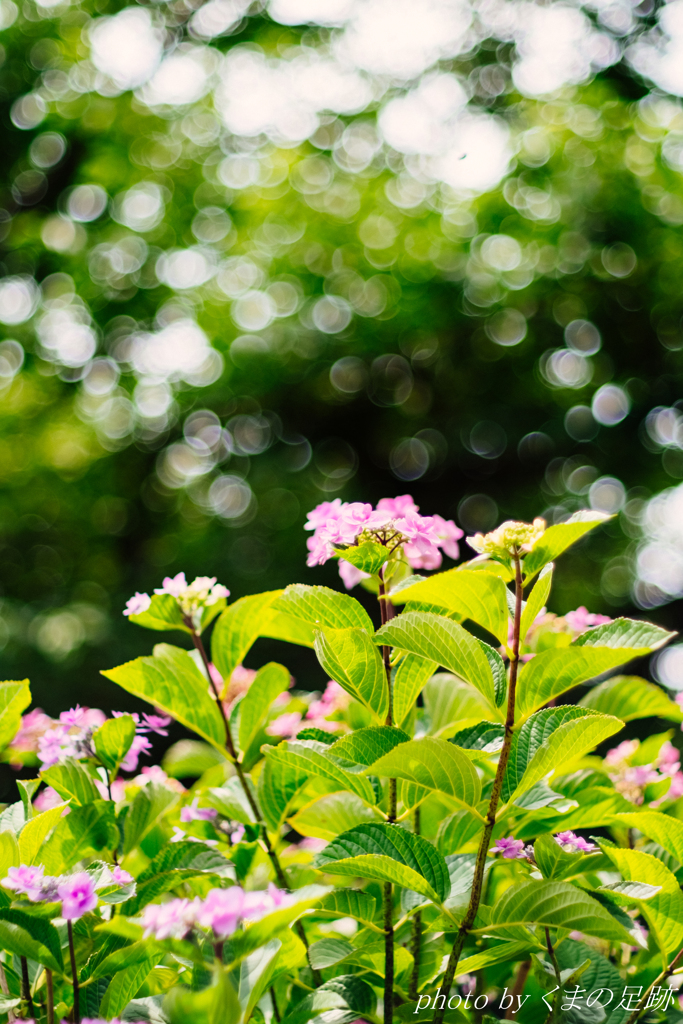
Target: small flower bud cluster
[509, 538]
[395, 523]
[516, 849]
[220, 912]
[77, 892]
[192, 598]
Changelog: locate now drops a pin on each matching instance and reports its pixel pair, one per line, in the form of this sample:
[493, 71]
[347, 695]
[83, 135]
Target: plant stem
[26, 986]
[276, 1012]
[658, 980]
[558, 976]
[386, 610]
[255, 810]
[518, 987]
[74, 972]
[416, 939]
[50, 996]
[490, 819]
[4, 988]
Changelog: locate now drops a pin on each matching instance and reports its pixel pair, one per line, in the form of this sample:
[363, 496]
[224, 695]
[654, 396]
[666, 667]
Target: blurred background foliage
[256, 256]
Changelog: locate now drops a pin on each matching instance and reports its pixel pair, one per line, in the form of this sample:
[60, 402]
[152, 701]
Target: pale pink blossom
[286, 725]
[118, 790]
[78, 895]
[173, 585]
[26, 879]
[221, 911]
[169, 920]
[581, 620]
[622, 752]
[155, 723]
[402, 505]
[155, 773]
[137, 604]
[33, 726]
[668, 759]
[449, 534]
[511, 848]
[572, 843]
[193, 813]
[47, 798]
[350, 575]
[120, 876]
[140, 745]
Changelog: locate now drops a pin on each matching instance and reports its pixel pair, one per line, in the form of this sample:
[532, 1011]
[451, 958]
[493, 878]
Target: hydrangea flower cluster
[395, 523]
[220, 912]
[77, 892]
[71, 736]
[192, 598]
[631, 779]
[508, 538]
[516, 849]
[334, 698]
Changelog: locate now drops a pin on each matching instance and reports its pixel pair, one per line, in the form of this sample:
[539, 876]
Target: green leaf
[147, 807]
[664, 829]
[663, 912]
[551, 739]
[365, 746]
[328, 816]
[629, 633]
[368, 557]
[355, 903]
[270, 681]
[231, 800]
[27, 790]
[347, 991]
[261, 969]
[190, 759]
[486, 736]
[554, 905]
[444, 641]
[30, 936]
[556, 863]
[170, 680]
[436, 765]
[537, 600]
[457, 831]
[558, 538]
[15, 697]
[238, 627]
[311, 757]
[279, 783]
[84, 831]
[409, 680]
[631, 892]
[630, 697]
[478, 596]
[283, 626]
[499, 954]
[553, 672]
[497, 666]
[126, 984]
[324, 608]
[35, 831]
[327, 952]
[113, 740]
[351, 659]
[118, 958]
[242, 944]
[637, 866]
[71, 780]
[163, 614]
[388, 853]
[451, 704]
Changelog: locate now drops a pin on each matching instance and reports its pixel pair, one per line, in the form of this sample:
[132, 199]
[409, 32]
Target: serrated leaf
[163, 614]
[628, 633]
[30, 936]
[346, 991]
[329, 816]
[499, 954]
[566, 736]
[663, 828]
[327, 952]
[601, 974]
[631, 891]
[238, 627]
[365, 746]
[351, 659]
[457, 831]
[368, 557]
[451, 704]
[486, 736]
[436, 765]
[170, 680]
[71, 780]
[554, 905]
[125, 984]
[663, 912]
[35, 831]
[478, 596]
[15, 697]
[113, 740]
[84, 831]
[553, 672]
[537, 600]
[270, 681]
[444, 641]
[558, 538]
[324, 608]
[144, 812]
[410, 678]
[311, 757]
[355, 903]
[497, 666]
[630, 697]
[278, 785]
[388, 853]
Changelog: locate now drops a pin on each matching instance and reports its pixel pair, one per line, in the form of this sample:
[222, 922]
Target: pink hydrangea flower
[169, 920]
[120, 876]
[33, 726]
[47, 798]
[155, 723]
[140, 745]
[572, 843]
[399, 506]
[511, 848]
[173, 585]
[194, 813]
[221, 911]
[78, 895]
[286, 725]
[137, 604]
[26, 879]
[118, 790]
[581, 620]
[621, 752]
[351, 576]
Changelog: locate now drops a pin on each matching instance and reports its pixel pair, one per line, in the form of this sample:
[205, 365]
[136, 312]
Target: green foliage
[324, 608]
[553, 905]
[350, 658]
[238, 628]
[435, 765]
[270, 681]
[14, 698]
[558, 538]
[473, 595]
[72, 781]
[112, 741]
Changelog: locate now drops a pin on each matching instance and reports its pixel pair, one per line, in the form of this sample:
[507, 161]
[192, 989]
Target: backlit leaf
[433, 764]
[351, 659]
[473, 595]
[324, 608]
[558, 538]
[630, 697]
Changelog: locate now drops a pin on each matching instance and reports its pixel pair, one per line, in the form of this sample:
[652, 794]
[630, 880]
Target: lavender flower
[27, 880]
[511, 848]
[221, 911]
[78, 896]
[194, 813]
[572, 843]
[172, 920]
